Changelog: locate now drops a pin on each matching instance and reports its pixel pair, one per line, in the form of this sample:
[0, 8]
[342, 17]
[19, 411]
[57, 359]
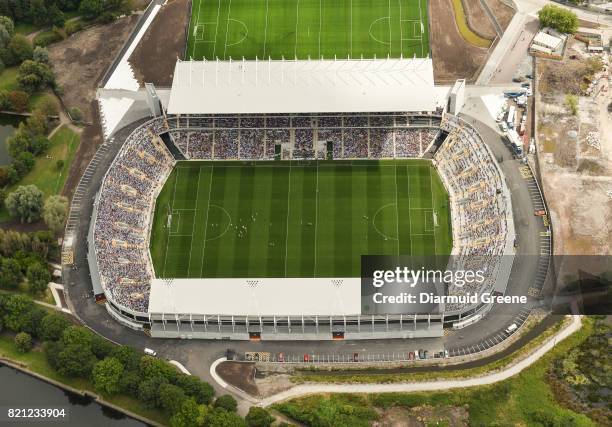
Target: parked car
[425, 353]
[511, 328]
[411, 355]
[526, 84]
[421, 353]
[150, 352]
[355, 357]
[281, 357]
[306, 358]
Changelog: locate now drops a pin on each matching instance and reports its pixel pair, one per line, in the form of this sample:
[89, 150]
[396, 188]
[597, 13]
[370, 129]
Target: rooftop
[302, 86]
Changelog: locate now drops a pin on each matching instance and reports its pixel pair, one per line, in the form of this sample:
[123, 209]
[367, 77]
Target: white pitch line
[216, 27]
[266, 29]
[207, 214]
[229, 11]
[287, 219]
[397, 218]
[320, 25]
[168, 241]
[194, 222]
[316, 220]
[400, 26]
[389, 27]
[433, 206]
[297, 21]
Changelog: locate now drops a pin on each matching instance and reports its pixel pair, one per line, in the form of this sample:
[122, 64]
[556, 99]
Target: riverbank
[35, 364]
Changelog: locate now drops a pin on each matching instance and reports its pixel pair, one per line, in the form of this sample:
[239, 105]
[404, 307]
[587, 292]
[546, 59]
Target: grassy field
[296, 219]
[523, 400]
[307, 28]
[45, 175]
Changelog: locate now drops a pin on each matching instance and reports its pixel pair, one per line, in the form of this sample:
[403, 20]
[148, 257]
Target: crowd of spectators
[124, 206]
[481, 209]
[303, 136]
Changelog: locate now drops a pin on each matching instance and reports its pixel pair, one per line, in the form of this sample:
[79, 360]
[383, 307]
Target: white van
[150, 352]
[511, 328]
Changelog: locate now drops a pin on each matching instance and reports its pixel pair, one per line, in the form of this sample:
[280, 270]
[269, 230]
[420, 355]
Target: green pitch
[296, 219]
[307, 28]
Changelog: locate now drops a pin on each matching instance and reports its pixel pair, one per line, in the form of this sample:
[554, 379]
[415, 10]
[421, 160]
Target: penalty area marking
[372, 35]
[243, 37]
[374, 221]
[229, 223]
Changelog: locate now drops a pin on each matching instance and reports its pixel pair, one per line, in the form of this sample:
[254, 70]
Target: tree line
[53, 12]
[24, 259]
[76, 352]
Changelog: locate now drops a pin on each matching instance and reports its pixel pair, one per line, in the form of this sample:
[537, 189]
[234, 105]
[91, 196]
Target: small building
[548, 41]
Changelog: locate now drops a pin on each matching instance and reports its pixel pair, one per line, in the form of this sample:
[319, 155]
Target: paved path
[307, 389]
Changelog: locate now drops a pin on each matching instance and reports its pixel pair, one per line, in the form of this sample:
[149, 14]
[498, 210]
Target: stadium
[240, 207]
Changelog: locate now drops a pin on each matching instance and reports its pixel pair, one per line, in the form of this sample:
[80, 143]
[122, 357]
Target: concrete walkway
[307, 389]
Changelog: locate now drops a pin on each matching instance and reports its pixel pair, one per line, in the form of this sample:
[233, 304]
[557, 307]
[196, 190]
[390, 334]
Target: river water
[19, 390]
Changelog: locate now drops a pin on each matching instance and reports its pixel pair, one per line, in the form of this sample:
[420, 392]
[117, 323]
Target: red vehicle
[306, 358]
[355, 357]
[281, 357]
[540, 213]
[411, 355]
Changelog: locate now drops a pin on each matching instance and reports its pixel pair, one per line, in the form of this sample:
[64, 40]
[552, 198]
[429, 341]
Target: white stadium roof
[269, 297]
[302, 86]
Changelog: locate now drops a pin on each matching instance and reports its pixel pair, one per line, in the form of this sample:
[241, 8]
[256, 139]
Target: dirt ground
[81, 60]
[453, 57]
[478, 20]
[503, 13]
[575, 156]
[155, 56]
[421, 416]
[239, 374]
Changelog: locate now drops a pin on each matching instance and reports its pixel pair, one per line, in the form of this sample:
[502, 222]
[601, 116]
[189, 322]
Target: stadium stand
[480, 203]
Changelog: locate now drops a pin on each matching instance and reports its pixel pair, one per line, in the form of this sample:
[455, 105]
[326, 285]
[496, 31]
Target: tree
[22, 315]
[199, 390]
[55, 212]
[128, 356]
[25, 203]
[18, 100]
[8, 24]
[107, 375]
[10, 273]
[35, 76]
[258, 417]
[560, 19]
[101, 347]
[222, 418]
[23, 342]
[75, 360]
[171, 397]
[189, 415]
[20, 49]
[77, 335]
[91, 9]
[59, 164]
[40, 54]
[226, 402]
[38, 277]
[53, 326]
[147, 391]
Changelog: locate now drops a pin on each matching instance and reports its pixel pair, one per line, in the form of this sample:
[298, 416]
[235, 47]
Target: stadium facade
[212, 102]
